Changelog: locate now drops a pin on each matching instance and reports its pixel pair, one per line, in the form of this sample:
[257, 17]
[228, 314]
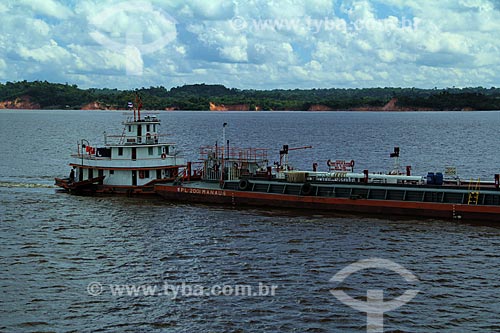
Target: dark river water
[63, 258]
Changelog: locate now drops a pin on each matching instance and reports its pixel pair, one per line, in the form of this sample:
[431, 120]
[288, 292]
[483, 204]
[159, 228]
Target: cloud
[48, 53]
[47, 7]
[253, 44]
[3, 67]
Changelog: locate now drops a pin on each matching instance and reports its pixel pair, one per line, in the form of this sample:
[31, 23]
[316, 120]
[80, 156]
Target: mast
[139, 109]
[223, 149]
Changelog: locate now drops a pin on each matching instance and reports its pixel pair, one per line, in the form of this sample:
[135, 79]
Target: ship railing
[234, 153]
[149, 117]
[232, 168]
[134, 139]
[94, 157]
[87, 156]
[211, 174]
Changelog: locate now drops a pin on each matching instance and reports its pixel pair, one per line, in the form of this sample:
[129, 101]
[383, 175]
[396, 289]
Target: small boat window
[120, 151]
[146, 173]
[150, 150]
[148, 128]
[159, 150]
[111, 172]
[129, 128]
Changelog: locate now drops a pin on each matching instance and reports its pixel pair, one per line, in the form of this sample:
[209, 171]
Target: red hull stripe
[385, 207]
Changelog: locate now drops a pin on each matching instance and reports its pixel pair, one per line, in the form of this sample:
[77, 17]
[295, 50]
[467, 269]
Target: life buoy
[163, 156]
[244, 185]
[352, 163]
[306, 189]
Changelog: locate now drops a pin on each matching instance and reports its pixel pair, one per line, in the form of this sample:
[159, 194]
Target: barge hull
[386, 208]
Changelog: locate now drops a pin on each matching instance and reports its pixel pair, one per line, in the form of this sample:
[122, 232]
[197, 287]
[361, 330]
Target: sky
[252, 44]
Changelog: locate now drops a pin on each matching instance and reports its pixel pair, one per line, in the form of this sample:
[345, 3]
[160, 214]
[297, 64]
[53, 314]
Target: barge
[242, 177]
[138, 162]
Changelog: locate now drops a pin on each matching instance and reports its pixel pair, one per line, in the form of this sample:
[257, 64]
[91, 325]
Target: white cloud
[234, 53]
[47, 53]
[3, 67]
[213, 9]
[3, 8]
[48, 7]
[289, 43]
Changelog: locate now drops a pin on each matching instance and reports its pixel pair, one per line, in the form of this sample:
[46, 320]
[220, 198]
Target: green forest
[47, 95]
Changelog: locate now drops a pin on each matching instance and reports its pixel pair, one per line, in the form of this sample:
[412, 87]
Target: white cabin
[136, 158]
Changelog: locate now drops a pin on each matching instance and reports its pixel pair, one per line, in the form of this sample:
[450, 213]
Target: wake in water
[24, 185]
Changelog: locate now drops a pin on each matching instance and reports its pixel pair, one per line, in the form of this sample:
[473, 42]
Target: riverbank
[203, 97]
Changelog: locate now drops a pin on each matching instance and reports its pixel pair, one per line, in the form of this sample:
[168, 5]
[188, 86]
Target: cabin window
[159, 150]
[111, 172]
[148, 128]
[154, 127]
[146, 173]
[129, 128]
[150, 150]
[158, 174]
[100, 172]
[120, 151]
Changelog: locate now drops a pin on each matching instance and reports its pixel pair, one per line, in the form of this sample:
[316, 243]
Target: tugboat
[129, 163]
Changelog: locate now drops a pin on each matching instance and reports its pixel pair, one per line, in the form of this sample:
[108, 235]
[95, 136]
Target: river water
[64, 259]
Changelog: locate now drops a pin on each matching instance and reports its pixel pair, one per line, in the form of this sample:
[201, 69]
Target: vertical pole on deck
[135, 105]
[139, 109]
[223, 148]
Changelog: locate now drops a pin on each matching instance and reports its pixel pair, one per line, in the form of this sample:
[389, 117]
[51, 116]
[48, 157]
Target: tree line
[198, 96]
